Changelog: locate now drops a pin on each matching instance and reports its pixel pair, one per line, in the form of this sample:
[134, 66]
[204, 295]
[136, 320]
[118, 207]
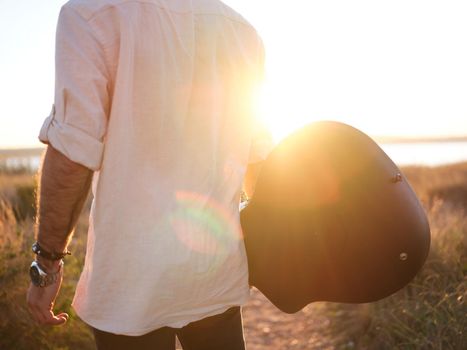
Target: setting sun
[280, 112]
[392, 69]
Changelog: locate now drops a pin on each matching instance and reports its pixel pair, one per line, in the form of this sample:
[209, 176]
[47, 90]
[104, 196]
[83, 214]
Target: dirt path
[315, 327]
[268, 328]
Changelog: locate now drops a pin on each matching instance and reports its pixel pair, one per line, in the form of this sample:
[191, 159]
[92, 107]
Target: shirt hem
[141, 331]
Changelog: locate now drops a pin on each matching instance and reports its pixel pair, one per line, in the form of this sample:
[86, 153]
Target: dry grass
[17, 330]
[431, 312]
[428, 314]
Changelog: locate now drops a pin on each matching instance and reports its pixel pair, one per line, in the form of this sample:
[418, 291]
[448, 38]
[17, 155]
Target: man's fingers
[63, 316]
[41, 302]
[50, 319]
[56, 321]
[46, 316]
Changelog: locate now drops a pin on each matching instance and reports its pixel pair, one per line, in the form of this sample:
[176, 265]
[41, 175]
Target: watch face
[35, 275]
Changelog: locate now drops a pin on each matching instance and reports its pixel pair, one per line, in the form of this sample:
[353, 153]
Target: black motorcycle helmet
[332, 219]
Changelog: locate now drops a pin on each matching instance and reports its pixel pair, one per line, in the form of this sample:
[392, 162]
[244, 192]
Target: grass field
[428, 314]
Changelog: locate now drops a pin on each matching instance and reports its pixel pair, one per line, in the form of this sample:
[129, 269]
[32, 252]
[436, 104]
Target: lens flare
[203, 224]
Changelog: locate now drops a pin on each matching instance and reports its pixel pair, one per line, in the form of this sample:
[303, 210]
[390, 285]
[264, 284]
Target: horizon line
[376, 138]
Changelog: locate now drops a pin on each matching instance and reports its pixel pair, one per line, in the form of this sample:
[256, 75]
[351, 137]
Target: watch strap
[37, 249]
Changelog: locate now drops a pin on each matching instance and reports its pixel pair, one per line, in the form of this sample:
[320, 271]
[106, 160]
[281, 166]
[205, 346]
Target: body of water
[426, 153]
[30, 162]
[417, 153]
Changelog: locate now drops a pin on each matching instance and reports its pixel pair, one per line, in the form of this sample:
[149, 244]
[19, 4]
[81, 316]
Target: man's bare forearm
[64, 186]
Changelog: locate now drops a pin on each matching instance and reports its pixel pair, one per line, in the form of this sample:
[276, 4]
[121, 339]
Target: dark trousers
[223, 331]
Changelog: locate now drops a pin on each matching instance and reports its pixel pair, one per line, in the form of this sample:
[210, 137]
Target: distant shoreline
[37, 151]
[21, 152]
[397, 139]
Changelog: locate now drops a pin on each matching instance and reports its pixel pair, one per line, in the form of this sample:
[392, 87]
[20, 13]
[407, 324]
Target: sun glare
[279, 111]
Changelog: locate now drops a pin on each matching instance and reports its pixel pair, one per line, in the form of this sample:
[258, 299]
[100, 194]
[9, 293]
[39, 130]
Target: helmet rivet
[403, 256]
[397, 178]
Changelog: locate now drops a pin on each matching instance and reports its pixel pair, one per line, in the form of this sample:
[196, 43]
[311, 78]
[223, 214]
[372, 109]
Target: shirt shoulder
[216, 7]
[89, 8]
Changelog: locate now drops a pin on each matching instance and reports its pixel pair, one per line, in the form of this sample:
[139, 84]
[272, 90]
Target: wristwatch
[40, 278]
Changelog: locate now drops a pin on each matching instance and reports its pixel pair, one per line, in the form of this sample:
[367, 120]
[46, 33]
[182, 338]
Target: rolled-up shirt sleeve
[77, 124]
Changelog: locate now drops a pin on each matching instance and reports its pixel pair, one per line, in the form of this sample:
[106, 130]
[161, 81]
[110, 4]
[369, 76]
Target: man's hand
[41, 302]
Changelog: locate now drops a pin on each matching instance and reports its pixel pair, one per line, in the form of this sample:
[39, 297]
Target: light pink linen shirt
[156, 96]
